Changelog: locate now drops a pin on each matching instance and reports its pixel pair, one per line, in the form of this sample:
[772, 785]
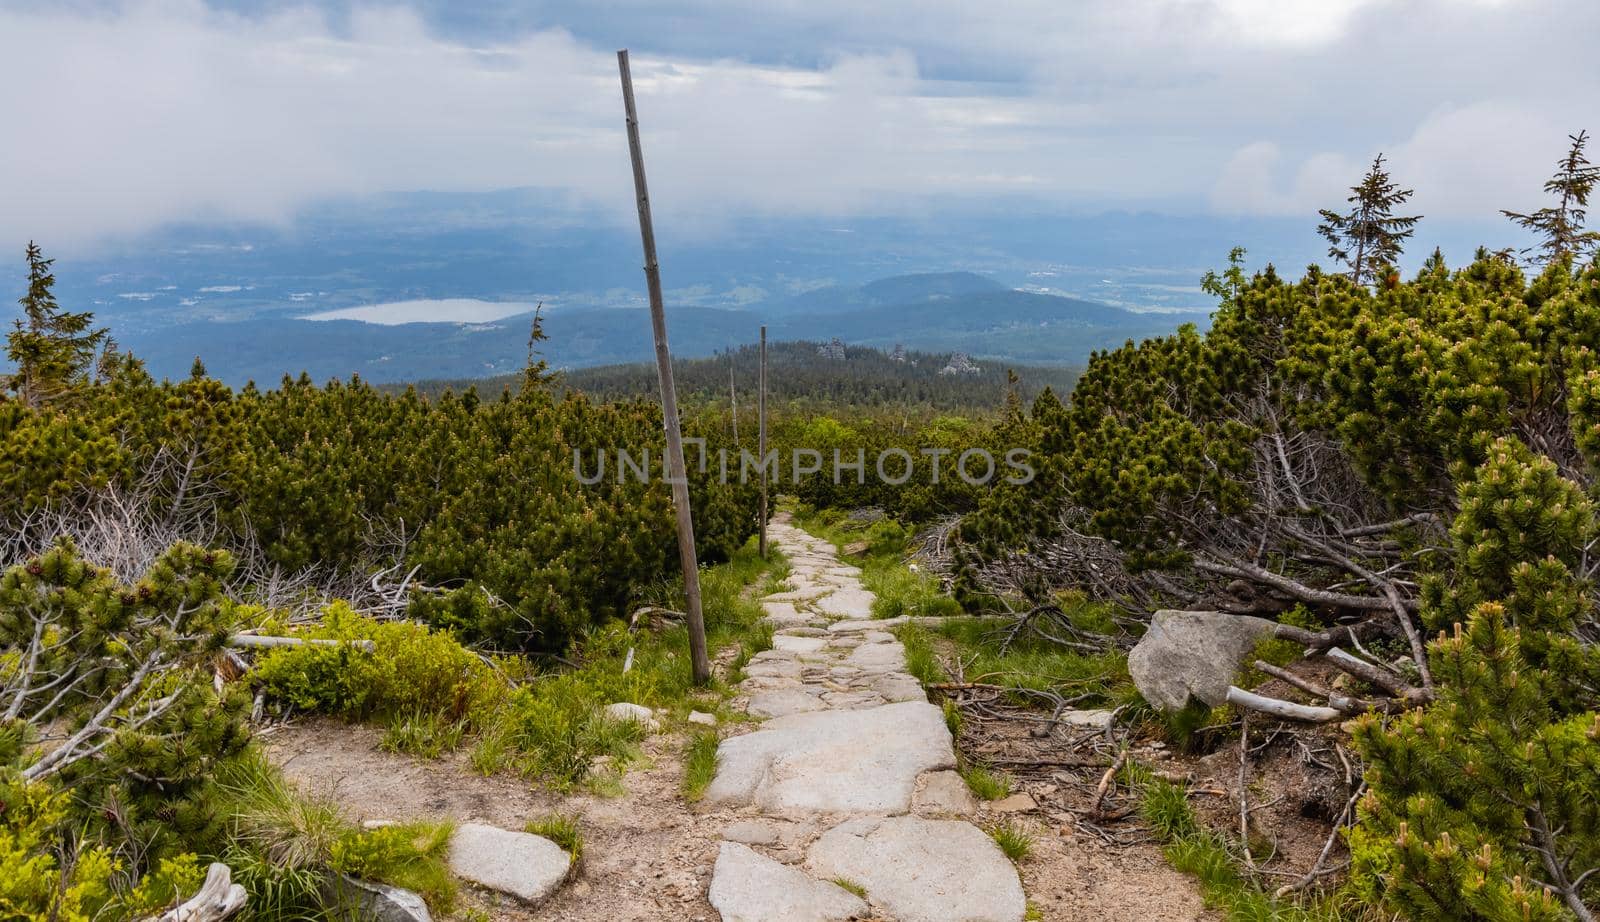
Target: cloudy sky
[120, 117]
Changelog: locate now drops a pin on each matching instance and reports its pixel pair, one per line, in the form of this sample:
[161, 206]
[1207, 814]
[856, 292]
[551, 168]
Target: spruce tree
[1369, 237]
[53, 350]
[1560, 228]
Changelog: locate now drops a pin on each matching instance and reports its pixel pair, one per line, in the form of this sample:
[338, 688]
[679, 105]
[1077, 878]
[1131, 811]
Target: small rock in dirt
[638, 713]
[749, 887]
[750, 832]
[1095, 718]
[702, 718]
[1193, 655]
[854, 549]
[369, 901]
[521, 864]
[943, 792]
[376, 824]
[920, 870]
[1016, 803]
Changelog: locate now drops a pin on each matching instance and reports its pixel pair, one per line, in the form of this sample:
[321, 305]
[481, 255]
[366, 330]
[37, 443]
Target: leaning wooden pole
[761, 439]
[677, 474]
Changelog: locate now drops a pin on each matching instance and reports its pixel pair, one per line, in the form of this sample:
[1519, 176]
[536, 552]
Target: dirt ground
[647, 854]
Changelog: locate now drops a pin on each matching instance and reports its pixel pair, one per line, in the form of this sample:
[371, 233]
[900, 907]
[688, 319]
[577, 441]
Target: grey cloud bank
[133, 115]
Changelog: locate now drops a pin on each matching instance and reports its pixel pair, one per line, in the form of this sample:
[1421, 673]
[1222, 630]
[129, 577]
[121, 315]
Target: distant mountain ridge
[938, 312]
[900, 289]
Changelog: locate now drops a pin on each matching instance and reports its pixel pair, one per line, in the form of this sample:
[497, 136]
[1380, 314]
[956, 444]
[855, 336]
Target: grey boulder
[1193, 655]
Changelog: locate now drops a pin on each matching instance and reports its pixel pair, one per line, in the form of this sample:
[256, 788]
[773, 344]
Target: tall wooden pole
[676, 470]
[761, 446]
[733, 401]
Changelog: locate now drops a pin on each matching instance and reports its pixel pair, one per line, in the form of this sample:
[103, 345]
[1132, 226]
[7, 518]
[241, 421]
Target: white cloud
[149, 112]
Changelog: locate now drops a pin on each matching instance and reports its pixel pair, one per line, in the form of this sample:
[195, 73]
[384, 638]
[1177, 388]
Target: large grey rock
[521, 864]
[920, 870]
[834, 761]
[749, 887]
[1193, 655]
[368, 901]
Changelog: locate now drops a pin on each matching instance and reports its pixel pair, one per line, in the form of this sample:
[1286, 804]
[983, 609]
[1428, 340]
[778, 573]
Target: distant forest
[800, 373]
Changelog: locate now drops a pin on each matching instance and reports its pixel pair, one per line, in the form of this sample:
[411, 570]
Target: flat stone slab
[799, 595]
[878, 657]
[835, 761]
[943, 792]
[750, 887]
[521, 864]
[789, 643]
[781, 702]
[861, 625]
[846, 603]
[921, 870]
[750, 832]
[897, 686]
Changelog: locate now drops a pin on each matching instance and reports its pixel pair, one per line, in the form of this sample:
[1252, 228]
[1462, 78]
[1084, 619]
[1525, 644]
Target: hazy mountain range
[935, 313]
[1035, 288]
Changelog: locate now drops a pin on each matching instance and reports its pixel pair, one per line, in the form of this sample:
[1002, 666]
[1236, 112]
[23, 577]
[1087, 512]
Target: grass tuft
[700, 765]
[562, 830]
[845, 883]
[985, 784]
[1014, 840]
[425, 734]
[922, 660]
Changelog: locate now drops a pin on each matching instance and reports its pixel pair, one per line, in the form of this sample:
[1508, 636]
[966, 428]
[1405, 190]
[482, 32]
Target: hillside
[797, 372]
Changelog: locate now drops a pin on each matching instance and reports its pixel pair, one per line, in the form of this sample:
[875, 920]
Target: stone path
[848, 803]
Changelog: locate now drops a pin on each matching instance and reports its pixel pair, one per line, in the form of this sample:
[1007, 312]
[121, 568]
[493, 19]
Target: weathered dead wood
[217, 899]
[265, 642]
[1288, 710]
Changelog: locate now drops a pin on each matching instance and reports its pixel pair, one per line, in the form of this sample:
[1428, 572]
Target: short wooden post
[761, 443]
[677, 473]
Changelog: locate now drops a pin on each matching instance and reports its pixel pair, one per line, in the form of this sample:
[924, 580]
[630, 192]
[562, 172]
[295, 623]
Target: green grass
[1014, 840]
[922, 658]
[285, 847]
[543, 722]
[902, 591]
[1032, 663]
[845, 883]
[699, 765]
[428, 734]
[985, 784]
[1212, 859]
[952, 719]
[562, 830]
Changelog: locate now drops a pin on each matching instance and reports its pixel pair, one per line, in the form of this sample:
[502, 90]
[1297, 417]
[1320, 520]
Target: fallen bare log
[1377, 675]
[217, 899]
[1277, 707]
[257, 640]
